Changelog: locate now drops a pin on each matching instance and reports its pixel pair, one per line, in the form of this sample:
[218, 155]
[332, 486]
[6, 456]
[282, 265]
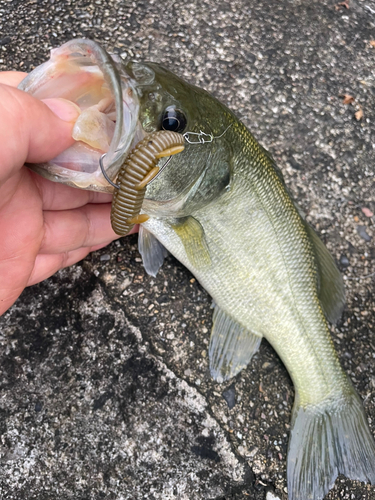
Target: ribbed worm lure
[137, 171]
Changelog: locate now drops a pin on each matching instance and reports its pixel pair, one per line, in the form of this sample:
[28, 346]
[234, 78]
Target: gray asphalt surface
[104, 389]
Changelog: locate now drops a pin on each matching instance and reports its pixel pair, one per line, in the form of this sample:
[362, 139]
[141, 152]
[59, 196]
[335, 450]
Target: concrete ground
[104, 388]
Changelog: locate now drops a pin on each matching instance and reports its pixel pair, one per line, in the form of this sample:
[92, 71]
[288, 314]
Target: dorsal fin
[331, 290]
[231, 346]
[151, 250]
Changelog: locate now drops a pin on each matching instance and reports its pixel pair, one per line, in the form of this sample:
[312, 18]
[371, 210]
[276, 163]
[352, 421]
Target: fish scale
[276, 331]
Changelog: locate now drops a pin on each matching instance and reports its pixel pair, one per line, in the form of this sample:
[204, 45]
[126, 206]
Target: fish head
[195, 177]
[120, 103]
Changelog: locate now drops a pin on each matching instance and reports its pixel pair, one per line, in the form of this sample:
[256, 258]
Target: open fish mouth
[83, 73]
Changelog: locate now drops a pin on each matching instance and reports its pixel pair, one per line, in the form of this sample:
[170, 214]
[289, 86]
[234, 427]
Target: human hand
[44, 226]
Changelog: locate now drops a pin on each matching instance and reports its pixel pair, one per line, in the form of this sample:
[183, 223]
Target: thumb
[60, 137]
[31, 130]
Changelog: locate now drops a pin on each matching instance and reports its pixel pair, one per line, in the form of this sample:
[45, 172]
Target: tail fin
[327, 441]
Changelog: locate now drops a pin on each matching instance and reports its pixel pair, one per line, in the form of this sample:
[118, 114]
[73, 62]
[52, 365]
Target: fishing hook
[161, 170]
[116, 185]
[104, 172]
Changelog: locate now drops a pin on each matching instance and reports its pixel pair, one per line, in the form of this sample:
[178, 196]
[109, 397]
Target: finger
[48, 264]
[12, 78]
[56, 196]
[68, 230]
[32, 130]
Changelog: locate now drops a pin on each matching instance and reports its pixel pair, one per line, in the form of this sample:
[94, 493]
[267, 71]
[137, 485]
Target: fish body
[260, 267]
[222, 208]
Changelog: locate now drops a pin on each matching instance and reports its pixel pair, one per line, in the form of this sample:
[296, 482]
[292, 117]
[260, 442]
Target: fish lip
[128, 130]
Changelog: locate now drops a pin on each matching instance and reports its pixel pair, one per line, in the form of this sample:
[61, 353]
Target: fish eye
[173, 120]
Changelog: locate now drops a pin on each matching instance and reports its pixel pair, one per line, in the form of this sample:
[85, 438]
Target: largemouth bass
[221, 207]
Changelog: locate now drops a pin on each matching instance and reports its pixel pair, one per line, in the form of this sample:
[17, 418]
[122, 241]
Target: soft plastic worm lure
[138, 170]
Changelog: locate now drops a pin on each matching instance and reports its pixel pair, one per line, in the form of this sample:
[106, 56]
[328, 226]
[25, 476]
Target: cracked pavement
[105, 389]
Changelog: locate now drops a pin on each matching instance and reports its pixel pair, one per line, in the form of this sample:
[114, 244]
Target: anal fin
[151, 250]
[191, 234]
[231, 346]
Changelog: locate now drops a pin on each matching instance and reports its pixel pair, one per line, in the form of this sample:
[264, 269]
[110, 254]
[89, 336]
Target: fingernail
[64, 109]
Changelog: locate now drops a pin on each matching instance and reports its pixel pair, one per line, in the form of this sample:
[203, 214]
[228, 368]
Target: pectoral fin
[151, 250]
[191, 234]
[331, 286]
[231, 346]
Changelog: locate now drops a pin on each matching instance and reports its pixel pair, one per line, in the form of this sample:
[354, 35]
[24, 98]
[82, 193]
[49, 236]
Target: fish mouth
[108, 125]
